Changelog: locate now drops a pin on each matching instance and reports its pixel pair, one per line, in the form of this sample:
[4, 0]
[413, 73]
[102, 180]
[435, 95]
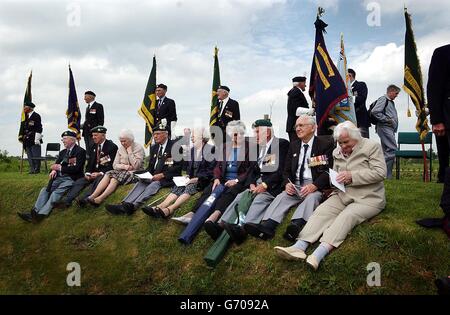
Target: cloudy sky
[263, 44]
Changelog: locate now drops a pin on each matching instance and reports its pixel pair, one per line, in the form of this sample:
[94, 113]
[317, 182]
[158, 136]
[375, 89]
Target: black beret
[69, 133]
[90, 93]
[162, 86]
[299, 79]
[29, 104]
[99, 129]
[262, 123]
[223, 87]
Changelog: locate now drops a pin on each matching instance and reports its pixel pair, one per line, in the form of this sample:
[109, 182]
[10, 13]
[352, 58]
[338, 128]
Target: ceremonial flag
[73, 113]
[413, 84]
[345, 110]
[215, 85]
[327, 89]
[26, 100]
[148, 106]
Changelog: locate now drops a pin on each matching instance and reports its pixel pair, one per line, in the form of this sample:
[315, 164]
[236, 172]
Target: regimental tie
[99, 149]
[220, 107]
[159, 103]
[302, 167]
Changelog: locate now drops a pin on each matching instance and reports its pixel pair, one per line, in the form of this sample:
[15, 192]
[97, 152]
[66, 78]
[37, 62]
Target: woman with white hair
[360, 165]
[232, 168]
[129, 159]
[199, 170]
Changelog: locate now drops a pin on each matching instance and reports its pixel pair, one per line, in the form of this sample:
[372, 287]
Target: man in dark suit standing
[305, 178]
[228, 111]
[438, 92]
[32, 137]
[67, 169]
[101, 158]
[94, 117]
[162, 165]
[359, 90]
[296, 99]
[165, 109]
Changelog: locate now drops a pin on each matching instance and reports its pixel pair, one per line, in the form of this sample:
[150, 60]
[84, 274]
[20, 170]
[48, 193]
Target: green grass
[136, 255]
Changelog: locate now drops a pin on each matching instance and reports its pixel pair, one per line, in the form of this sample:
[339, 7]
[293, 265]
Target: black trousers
[78, 186]
[224, 200]
[442, 144]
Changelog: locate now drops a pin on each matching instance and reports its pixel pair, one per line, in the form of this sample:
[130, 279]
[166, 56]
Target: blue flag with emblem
[327, 89]
[73, 113]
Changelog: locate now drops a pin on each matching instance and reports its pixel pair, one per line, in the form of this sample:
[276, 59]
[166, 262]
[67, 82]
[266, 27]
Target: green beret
[262, 123]
[68, 133]
[99, 129]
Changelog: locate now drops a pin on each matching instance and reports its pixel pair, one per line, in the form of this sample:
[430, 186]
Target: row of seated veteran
[283, 175]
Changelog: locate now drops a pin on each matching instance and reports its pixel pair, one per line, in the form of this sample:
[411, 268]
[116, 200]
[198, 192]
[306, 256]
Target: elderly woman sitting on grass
[361, 167]
[129, 159]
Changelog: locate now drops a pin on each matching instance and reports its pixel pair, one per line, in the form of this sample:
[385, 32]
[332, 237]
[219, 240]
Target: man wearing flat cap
[94, 117]
[162, 165]
[165, 109]
[32, 137]
[228, 109]
[296, 99]
[265, 181]
[101, 157]
[67, 169]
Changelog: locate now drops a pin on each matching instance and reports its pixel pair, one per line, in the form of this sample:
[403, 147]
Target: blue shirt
[232, 165]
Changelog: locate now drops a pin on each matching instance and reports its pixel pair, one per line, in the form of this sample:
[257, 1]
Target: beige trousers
[335, 220]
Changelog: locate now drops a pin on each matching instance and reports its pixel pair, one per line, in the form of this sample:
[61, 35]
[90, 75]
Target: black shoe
[260, 231]
[92, 203]
[128, 207]
[443, 285]
[115, 209]
[292, 232]
[236, 232]
[431, 222]
[61, 205]
[151, 211]
[39, 218]
[213, 229]
[25, 216]
[82, 203]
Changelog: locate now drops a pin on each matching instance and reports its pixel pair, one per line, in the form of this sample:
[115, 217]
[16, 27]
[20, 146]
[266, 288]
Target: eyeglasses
[302, 125]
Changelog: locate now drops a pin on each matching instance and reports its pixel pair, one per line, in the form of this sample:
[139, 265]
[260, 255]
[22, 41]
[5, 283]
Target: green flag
[413, 84]
[215, 85]
[26, 100]
[148, 106]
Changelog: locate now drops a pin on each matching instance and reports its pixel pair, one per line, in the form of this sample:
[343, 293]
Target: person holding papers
[161, 169]
[361, 167]
[200, 172]
[304, 180]
[129, 159]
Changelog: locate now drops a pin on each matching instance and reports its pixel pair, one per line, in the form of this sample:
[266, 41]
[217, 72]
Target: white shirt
[307, 175]
[263, 154]
[224, 103]
[163, 149]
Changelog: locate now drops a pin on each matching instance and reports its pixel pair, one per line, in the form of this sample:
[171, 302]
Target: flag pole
[21, 161]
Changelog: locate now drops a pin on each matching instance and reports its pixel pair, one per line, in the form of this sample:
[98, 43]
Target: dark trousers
[88, 142]
[78, 186]
[224, 200]
[364, 132]
[34, 152]
[292, 136]
[442, 144]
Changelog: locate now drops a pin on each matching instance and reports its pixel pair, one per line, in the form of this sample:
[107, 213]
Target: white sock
[302, 245]
[321, 252]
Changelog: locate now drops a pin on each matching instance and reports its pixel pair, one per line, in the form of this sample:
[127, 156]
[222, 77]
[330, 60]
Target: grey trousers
[142, 191]
[45, 201]
[283, 202]
[256, 210]
[389, 145]
[34, 152]
[78, 186]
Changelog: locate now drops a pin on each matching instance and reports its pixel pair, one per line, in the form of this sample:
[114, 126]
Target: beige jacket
[368, 169]
[133, 156]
